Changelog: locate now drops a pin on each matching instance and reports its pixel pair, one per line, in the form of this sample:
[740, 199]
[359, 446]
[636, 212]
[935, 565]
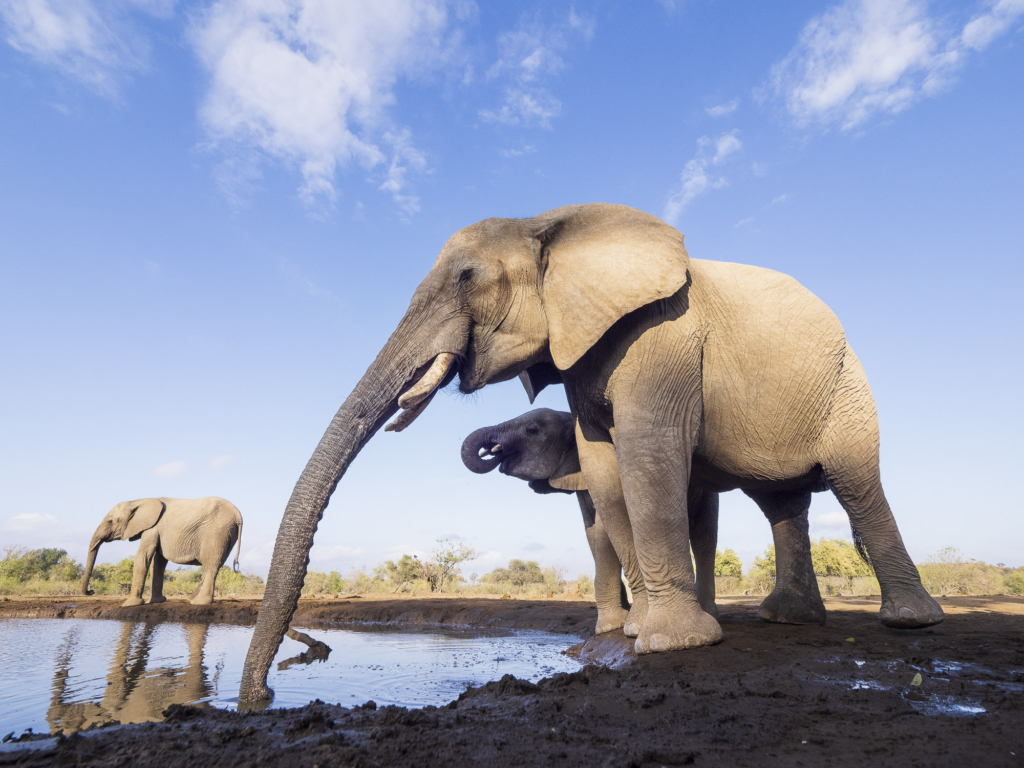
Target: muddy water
[72, 673]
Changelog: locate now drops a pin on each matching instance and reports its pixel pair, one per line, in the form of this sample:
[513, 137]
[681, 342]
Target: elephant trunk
[409, 357]
[486, 442]
[94, 548]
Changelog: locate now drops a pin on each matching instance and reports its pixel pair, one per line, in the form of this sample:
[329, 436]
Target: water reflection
[69, 674]
[134, 693]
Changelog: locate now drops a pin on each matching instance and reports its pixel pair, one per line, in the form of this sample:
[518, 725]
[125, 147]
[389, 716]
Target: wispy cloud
[170, 469]
[868, 57]
[295, 275]
[699, 176]
[778, 200]
[832, 520]
[29, 522]
[310, 83]
[219, 462]
[721, 110]
[526, 149]
[96, 43]
[529, 56]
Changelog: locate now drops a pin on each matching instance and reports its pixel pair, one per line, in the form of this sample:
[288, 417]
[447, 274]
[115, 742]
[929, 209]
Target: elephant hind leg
[849, 456]
[159, 565]
[795, 598]
[204, 593]
[702, 510]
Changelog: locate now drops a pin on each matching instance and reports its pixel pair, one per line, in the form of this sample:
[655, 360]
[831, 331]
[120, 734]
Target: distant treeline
[839, 568]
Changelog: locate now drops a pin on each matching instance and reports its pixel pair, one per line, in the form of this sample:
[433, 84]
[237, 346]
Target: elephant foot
[157, 599]
[676, 627]
[132, 601]
[910, 609]
[202, 600]
[784, 606]
[610, 619]
[710, 607]
[637, 614]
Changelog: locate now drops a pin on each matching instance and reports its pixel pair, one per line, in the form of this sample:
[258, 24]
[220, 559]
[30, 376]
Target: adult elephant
[183, 531]
[673, 367]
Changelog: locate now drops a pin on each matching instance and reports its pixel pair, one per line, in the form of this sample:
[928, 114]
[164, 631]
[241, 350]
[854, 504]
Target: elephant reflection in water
[133, 694]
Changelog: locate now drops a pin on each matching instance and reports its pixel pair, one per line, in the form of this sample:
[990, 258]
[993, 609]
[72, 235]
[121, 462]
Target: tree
[837, 557]
[443, 567]
[728, 563]
[519, 573]
[765, 563]
[400, 574]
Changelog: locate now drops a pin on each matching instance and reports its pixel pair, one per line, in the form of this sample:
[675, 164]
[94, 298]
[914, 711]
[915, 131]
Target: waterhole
[68, 674]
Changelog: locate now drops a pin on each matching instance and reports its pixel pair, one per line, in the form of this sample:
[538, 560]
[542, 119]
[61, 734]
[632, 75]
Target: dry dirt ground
[838, 695]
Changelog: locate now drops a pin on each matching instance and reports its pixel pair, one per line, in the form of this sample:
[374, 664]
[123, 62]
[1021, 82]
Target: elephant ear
[597, 263]
[142, 515]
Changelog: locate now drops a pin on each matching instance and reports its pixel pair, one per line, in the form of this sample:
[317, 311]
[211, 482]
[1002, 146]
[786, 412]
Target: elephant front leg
[609, 591]
[601, 471]
[159, 566]
[654, 464]
[143, 558]
[795, 598]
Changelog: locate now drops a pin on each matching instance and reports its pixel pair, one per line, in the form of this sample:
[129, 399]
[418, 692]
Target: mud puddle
[69, 674]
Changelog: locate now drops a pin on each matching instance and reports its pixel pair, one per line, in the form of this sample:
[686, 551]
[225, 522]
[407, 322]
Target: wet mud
[850, 693]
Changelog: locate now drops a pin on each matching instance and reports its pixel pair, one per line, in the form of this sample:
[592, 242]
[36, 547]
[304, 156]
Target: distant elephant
[183, 531]
[681, 373]
[540, 446]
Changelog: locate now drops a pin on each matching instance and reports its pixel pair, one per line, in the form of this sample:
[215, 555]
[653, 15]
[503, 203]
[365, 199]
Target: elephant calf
[183, 531]
[540, 446]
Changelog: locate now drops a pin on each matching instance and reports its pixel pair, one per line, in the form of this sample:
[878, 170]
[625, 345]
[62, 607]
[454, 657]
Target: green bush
[1013, 582]
[728, 563]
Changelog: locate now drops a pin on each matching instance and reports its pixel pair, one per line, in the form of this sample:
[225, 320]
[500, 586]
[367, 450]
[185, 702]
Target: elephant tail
[238, 551]
[858, 543]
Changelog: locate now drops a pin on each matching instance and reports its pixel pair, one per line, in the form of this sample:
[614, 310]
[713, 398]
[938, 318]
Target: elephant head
[505, 297]
[539, 446]
[125, 522]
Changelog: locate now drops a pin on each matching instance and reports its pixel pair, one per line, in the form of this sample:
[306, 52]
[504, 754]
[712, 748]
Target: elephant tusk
[408, 416]
[428, 383]
[496, 448]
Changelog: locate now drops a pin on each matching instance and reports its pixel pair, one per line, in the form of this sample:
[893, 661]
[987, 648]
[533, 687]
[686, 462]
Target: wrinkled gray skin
[183, 531]
[676, 368]
[540, 447]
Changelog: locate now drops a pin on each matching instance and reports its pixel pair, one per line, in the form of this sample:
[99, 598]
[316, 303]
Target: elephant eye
[465, 276]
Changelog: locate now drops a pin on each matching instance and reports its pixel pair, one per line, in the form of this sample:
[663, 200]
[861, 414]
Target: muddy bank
[842, 694]
[575, 617]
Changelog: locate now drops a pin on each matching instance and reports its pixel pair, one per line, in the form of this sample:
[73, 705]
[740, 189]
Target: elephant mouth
[415, 400]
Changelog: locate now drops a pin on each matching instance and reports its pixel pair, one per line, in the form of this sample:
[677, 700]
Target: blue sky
[213, 214]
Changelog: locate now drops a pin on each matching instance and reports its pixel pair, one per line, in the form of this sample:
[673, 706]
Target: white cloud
[743, 222]
[528, 56]
[170, 469]
[310, 83]
[778, 200]
[695, 179]
[94, 42]
[868, 57]
[721, 110]
[219, 462]
[759, 169]
[31, 522]
[527, 149]
[832, 520]
[333, 552]
[986, 27]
